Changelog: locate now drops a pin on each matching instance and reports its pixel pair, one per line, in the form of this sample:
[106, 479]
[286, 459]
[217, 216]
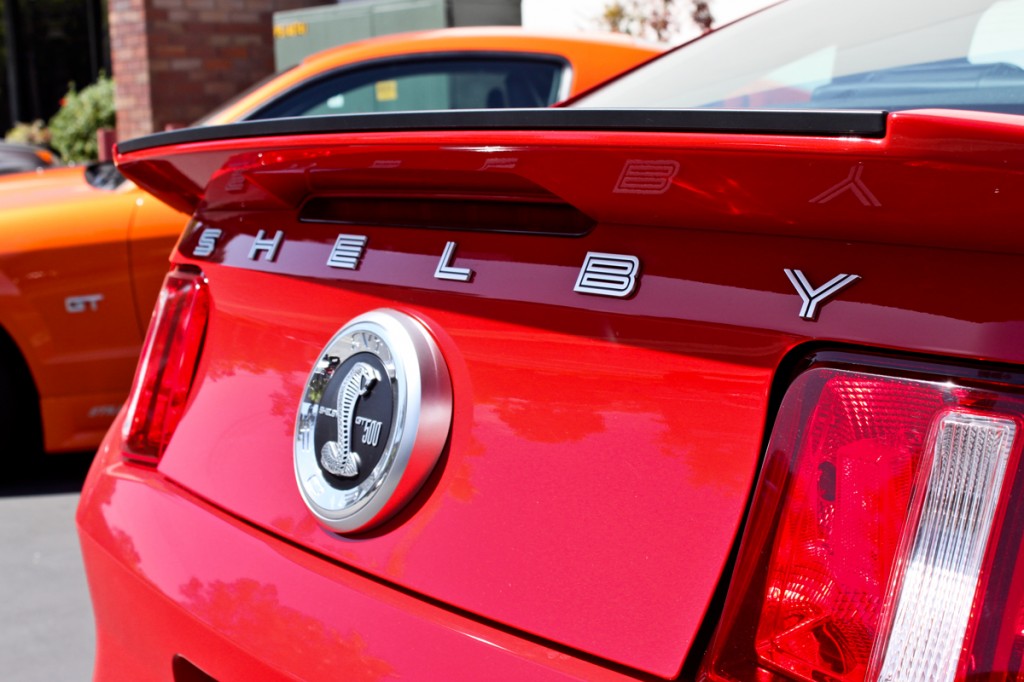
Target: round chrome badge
[373, 421]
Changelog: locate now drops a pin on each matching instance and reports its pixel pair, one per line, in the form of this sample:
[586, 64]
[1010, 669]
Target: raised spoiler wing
[598, 508]
[178, 165]
[190, 184]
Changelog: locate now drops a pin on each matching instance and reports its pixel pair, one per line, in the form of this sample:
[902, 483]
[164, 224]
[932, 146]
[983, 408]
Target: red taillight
[865, 555]
[167, 365]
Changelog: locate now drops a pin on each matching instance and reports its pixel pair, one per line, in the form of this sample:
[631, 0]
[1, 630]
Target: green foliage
[73, 128]
[29, 133]
[656, 20]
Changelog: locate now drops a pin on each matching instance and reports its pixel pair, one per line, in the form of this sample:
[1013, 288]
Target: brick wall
[128, 59]
[174, 60]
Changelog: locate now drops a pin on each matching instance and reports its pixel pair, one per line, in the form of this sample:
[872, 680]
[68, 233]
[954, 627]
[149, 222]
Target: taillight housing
[884, 533]
[167, 365]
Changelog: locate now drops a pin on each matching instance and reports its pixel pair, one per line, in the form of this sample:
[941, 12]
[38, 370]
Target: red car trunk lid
[602, 448]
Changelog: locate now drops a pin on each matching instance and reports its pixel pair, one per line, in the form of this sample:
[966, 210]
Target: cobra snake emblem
[337, 456]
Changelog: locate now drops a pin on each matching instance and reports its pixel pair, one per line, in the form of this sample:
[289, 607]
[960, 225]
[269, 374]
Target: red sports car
[714, 374]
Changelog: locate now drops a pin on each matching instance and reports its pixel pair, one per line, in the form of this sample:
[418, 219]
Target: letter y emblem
[812, 297]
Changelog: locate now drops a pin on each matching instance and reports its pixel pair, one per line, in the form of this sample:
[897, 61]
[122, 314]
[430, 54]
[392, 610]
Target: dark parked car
[18, 158]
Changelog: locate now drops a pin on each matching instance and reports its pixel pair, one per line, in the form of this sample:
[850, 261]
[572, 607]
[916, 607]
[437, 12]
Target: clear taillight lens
[868, 548]
[933, 592]
[167, 365]
[995, 635]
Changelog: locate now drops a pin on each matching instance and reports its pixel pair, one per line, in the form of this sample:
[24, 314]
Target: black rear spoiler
[830, 123]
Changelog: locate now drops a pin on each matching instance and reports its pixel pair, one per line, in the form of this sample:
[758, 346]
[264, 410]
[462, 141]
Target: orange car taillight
[884, 536]
[167, 365]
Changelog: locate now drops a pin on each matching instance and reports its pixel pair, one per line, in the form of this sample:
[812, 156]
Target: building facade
[174, 60]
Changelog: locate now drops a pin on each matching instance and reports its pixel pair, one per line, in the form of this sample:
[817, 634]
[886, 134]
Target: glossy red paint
[239, 604]
[603, 450]
[920, 176]
[521, 388]
[930, 176]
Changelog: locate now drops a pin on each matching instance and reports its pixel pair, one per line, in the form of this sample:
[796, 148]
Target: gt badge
[373, 420]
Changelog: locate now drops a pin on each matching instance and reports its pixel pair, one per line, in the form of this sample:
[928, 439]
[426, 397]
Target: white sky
[581, 15]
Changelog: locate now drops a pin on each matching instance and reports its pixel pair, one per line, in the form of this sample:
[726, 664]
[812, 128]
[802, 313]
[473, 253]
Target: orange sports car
[84, 252]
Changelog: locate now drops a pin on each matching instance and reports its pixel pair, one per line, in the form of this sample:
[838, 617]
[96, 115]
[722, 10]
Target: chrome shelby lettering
[608, 274]
[813, 298]
[602, 274]
[269, 247]
[445, 269]
[207, 242]
[347, 252]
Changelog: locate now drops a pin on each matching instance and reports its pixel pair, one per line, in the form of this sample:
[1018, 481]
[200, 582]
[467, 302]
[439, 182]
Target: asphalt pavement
[46, 627]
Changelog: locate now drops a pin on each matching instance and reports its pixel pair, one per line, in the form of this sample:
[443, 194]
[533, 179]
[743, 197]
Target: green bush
[73, 128]
[29, 133]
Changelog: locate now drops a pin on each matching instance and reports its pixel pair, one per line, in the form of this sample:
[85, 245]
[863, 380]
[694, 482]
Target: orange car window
[465, 82]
